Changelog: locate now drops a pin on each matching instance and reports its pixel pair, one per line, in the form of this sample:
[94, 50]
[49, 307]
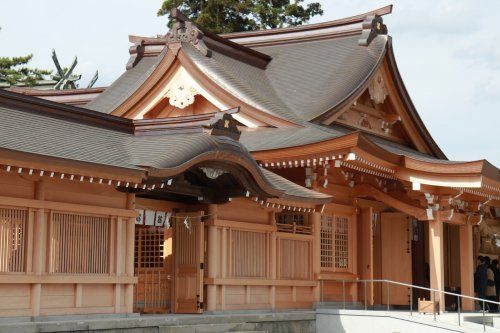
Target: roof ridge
[314, 26]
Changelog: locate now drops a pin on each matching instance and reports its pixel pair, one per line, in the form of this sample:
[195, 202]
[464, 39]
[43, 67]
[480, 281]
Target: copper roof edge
[316, 26]
[46, 107]
[40, 92]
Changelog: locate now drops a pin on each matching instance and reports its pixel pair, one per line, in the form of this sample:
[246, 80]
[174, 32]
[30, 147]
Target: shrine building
[262, 170]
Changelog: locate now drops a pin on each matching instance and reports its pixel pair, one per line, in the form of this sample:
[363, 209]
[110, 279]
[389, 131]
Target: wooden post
[316, 226]
[213, 252]
[436, 261]
[365, 252]
[129, 256]
[466, 266]
[120, 251]
[39, 249]
[272, 260]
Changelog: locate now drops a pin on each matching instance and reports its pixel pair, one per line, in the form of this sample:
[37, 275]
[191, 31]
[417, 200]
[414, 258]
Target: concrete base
[360, 321]
[282, 322]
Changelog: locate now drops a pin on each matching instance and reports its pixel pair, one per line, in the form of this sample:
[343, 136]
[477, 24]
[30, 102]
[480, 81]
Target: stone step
[211, 328]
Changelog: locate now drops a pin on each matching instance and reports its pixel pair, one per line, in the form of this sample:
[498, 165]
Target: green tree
[14, 71]
[224, 16]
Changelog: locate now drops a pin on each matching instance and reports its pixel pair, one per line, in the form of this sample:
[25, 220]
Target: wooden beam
[61, 279]
[260, 282]
[67, 207]
[365, 190]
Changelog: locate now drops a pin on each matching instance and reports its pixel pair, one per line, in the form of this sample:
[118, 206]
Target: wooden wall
[61, 272]
[253, 266]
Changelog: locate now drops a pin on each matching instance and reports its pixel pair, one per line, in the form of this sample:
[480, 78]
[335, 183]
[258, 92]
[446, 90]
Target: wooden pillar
[436, 260]
[225, 262]
[466, 266]
[39, 249]
[120, 251]
[129, 256]
[365, 252]
[273, 258]
[315, 219]
[213, 252]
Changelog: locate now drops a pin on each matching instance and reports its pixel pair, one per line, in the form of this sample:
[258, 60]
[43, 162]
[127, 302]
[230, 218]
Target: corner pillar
[213, 251]
[129, 256]
[436, 260]
[39, 249]
[466, 266]
[316, 227]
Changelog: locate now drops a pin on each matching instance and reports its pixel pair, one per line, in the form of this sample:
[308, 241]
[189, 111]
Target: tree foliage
[15, 72]
[224, 16]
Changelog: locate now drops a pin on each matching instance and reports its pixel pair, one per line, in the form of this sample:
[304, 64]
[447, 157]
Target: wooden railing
[294, 228]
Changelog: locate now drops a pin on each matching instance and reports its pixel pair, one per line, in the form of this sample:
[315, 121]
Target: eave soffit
[358, 148]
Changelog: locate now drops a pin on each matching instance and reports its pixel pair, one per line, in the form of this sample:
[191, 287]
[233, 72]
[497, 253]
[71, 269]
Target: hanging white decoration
[213, 173]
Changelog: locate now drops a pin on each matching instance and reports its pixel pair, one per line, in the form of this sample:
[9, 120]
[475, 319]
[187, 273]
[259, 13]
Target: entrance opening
[169, 265]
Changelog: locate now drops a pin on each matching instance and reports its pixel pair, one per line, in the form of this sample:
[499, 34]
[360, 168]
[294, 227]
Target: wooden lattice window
[149, 247]
[335, 242]
[12, 239]
[295, 259]
[248, 254]
[293, 222]
[79, 244]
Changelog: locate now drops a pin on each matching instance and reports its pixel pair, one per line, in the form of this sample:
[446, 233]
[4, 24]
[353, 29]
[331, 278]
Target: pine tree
[224, 16]
[14, 71]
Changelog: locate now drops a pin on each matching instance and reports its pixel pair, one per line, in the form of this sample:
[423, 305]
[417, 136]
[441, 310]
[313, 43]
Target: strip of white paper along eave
[167, 220]
[149, 218]
[140, 216]
[160, 219]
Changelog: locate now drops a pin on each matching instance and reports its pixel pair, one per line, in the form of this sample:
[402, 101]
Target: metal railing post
[411, 301]
[343, 292]
[458, 309]
[366, 304]
[434, 304]
[484, 317]
[388, 296]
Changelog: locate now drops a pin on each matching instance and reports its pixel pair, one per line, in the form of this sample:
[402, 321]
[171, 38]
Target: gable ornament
[226, 126]
[377, 89]
[372, 27]
[182, 94]
[185, 31]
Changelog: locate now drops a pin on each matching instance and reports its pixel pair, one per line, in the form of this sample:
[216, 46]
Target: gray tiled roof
[276, 138]
[302, 81]
[124, 86]
[36, 133]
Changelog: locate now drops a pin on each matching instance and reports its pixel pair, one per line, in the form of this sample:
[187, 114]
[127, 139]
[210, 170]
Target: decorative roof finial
[372, 27]
[185, 31]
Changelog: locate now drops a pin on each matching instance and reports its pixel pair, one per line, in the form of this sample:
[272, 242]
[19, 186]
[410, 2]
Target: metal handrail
[411, 286]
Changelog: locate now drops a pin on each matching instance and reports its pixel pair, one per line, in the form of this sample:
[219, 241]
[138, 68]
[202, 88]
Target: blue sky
[447, 51]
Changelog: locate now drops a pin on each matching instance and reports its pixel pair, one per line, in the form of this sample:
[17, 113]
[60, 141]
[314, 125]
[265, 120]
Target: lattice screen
[79, 244]
[295, 259]
[149, 243]
[12, 239]
[335, 232]
[248, 253]
[341, 241]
